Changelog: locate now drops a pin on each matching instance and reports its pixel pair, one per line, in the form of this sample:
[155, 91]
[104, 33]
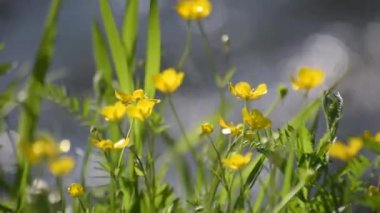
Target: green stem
[21, 196]
[61, 193]
[181, 127]
[86, 159]
[208, 48]
[122, 151]
[273, 106]
[82, 205]
[187, 49]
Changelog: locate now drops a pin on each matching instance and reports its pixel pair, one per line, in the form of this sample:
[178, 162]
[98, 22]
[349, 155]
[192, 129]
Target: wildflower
[142, 109]
[114, 112]
[75, 190]
[368, 136]
[44, 147]
[255, 119]
[237, 161]
[62, 166]
[206, 129]
[127, 98]
[104, 144]
[307, 78]
[168, 81]
[193, 9]
[230, 128]
[373, 191]
[124, 142]
[244, 91]
[343, 152]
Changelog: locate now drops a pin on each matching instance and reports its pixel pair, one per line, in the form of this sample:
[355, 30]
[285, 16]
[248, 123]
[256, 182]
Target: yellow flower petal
[169, 80]
[124, 142]
[44, 147]
[236, 161]
[230, 128]
[114, 112]
[338, 150]
[142, 109]
[343, 152]
[75, 190]
[206, 129]
[193, 9]
[243, 90]
[308, 78]
[255, 119]
[62, 166]
[258, 92]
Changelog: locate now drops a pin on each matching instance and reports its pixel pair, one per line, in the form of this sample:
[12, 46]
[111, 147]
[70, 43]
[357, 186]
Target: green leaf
[226, 78]
[288, 175]
[304, 115]
[333, 109]
[2, 46]
[5, 68]
[81, 108]
[304, 141]
[118, 52]
[31, 106]
[153, 58]
[261, 195]
[130, 29]
[103, 64]
[30, 110]
[255, 172]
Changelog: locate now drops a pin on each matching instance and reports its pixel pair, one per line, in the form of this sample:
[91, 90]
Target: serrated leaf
[333, 109]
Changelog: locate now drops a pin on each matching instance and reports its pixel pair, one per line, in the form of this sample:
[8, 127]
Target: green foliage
[153, 58]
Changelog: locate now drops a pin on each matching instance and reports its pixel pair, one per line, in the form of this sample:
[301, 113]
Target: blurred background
[269, 41]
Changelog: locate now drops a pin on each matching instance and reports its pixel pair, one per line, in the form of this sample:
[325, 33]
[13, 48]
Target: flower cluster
[106, 144]
[136, 105]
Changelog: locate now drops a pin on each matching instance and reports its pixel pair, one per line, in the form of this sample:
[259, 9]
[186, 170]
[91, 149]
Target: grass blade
[31, 105]
[129, 31]
[153, 48]
[117, 50]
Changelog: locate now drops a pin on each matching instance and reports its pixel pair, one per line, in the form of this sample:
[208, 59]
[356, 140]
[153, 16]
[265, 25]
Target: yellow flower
[308, 78]
[142, 109]
[230, 128]
[206, 129]
[237, 161]
[127, 98]
[194, 9]
[62, 166]
[43, 147]
[255, 119]
[124, 142]
[168, 81]
[343, 152]
[104, 144]
[75, 190]
[114, 112]
[368, 136]
[243, 90]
